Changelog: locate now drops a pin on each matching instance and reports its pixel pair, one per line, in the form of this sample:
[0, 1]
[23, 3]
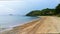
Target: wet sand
[45, 25]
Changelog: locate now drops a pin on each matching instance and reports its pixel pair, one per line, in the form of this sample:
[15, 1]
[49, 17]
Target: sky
[22, 7]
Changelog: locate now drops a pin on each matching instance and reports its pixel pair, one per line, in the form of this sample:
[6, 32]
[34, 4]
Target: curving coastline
[47, 24]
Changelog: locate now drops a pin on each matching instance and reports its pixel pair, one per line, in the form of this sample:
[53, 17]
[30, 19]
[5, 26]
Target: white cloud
[18, 6]
[10, 0]
[1, 5]
[7, 7]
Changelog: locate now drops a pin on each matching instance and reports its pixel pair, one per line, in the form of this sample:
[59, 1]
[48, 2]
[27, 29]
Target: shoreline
[46, 24]
[11, 28]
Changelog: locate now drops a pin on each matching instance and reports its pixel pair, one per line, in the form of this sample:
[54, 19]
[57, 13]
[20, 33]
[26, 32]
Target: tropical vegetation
[46, 12]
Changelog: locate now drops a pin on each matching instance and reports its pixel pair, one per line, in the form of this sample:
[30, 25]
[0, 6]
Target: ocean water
[12, 21]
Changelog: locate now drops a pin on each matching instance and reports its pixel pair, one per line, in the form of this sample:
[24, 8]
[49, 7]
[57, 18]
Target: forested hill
[45, 12]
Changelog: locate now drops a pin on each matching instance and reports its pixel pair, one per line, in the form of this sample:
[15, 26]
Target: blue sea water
[10, 21]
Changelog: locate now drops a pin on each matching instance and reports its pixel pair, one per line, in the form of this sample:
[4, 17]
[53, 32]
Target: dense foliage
[45, 12]
[58, 9]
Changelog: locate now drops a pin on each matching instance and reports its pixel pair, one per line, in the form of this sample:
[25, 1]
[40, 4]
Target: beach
[43, 25]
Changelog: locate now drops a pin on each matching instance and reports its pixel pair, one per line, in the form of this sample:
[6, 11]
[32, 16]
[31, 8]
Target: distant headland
[46, 12]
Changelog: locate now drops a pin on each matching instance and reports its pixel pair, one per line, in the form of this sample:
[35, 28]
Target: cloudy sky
[22, 7]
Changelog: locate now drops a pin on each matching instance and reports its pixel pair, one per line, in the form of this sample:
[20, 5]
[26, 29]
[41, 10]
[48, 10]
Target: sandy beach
[44, 25]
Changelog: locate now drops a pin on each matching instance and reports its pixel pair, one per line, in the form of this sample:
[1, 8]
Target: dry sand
[45, 25]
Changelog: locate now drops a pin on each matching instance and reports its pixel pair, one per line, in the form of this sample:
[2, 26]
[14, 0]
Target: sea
[8, 21]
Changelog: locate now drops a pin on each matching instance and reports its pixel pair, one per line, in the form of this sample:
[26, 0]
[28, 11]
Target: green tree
[48, 11]
[34, 13]
[58, 9]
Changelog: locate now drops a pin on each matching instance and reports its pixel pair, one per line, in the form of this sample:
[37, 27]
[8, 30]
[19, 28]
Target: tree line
[46, 12]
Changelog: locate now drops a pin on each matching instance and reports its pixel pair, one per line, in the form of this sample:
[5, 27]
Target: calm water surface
[11, 21]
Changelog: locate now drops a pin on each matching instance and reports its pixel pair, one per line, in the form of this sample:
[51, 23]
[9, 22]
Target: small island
[10, 14]
[46, 24]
